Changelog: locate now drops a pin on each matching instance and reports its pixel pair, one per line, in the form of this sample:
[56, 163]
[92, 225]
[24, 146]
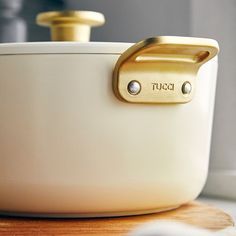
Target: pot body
[69, 147]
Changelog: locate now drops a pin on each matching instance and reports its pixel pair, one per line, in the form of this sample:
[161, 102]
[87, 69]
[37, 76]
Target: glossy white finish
[68, 146]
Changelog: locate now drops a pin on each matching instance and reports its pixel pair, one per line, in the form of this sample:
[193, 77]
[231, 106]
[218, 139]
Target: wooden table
[194, 213]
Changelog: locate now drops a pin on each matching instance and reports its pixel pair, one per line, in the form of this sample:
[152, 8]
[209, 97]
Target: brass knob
[70, 25]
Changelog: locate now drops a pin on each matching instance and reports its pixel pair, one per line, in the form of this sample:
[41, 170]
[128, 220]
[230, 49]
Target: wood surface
[194, 213]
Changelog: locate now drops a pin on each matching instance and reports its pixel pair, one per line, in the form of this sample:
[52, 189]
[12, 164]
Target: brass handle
[161, 69]
[165, 48]
[70, 25]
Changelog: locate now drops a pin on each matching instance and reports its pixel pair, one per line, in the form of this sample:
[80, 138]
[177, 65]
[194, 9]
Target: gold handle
[161, 69]
[70, 25]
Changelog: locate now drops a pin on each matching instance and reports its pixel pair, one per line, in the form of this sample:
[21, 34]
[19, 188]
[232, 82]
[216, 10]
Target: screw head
[134, 87]
[186, 88]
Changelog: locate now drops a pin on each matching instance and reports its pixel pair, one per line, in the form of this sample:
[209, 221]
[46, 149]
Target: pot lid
[63, 48]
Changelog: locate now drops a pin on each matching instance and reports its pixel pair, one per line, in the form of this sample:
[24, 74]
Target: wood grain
[194, 213]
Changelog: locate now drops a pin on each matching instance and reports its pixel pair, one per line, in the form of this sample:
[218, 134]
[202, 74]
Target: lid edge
[63, 48]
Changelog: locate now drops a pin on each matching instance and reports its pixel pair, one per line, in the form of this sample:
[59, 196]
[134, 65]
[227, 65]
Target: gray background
[126, 20]
[217, 19]
[133, 20]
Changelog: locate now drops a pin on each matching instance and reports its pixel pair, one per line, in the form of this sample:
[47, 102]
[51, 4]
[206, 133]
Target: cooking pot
[103, 129]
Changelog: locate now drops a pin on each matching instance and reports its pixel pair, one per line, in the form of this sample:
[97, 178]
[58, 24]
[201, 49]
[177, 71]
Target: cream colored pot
[105, 129]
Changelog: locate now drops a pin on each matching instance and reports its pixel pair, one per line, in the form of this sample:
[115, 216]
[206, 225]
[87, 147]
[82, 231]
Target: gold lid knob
[70, 25]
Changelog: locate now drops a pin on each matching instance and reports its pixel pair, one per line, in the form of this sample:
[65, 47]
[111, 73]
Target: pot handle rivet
[134, 87]
[186, 88]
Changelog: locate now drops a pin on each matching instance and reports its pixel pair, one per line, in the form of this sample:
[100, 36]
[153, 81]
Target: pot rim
[114, 48]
